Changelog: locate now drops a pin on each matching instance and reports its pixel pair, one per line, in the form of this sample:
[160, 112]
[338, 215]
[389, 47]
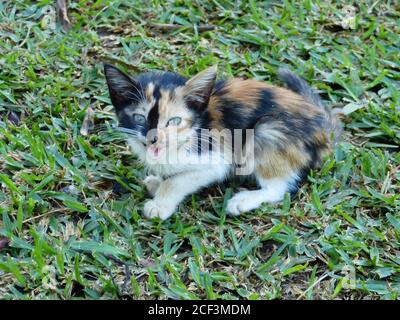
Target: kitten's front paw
[153, 209]
[152, 183]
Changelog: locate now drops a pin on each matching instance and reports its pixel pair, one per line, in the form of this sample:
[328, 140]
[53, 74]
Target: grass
[70, 222]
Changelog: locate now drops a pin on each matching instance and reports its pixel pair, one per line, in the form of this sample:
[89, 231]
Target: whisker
[137, 95]
[103, 127]
[141, 91]
[107, 129]
[126, 130]
[208, 140]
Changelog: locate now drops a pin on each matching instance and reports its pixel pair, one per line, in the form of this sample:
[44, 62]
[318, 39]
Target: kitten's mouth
[154, 151]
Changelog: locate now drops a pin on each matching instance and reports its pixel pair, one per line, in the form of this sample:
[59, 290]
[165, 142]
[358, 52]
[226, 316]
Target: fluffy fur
[293, 132]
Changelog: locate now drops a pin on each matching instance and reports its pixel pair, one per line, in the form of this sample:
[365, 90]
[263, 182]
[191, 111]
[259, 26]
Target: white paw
[152, 183]
[241, 202]
[154, 209]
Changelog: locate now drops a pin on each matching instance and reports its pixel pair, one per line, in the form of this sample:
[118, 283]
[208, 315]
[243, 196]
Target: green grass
[71, 236]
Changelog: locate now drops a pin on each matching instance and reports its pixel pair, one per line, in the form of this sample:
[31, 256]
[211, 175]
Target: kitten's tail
[295, 83]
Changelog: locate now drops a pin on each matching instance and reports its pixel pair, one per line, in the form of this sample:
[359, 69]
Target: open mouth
[154, 151]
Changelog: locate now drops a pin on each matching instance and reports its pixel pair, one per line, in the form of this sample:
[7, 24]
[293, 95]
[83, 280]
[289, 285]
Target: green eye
[138, 118]
[176, 121]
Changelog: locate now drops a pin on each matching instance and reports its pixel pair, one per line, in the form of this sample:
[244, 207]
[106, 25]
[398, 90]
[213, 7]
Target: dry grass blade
[88, 122]
[168, 27]
[62, 14]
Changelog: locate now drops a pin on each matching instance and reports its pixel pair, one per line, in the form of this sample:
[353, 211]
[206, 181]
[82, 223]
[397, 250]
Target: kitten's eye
[140, 119]
[176, 121]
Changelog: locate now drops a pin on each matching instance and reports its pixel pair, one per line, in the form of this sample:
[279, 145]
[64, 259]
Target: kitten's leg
[174, 189]
[272, 190]
[152, 183]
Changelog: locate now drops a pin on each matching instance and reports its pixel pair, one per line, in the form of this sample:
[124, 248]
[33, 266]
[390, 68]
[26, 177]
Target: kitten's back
[292, 127]
[298, 85]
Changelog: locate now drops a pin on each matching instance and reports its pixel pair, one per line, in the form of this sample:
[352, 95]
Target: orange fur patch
[149, 91]
[294, 103]
[215, 113]
[322, 140]
[246, 92]
[273, 164]
[163, 101]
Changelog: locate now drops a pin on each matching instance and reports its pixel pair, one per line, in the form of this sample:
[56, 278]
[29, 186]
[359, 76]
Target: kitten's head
[163, 110]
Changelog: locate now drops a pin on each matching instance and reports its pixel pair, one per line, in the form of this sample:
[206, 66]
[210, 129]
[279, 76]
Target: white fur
[152, 183]
[186, 176]
[272, 190]
[174, 189]
[193, 172]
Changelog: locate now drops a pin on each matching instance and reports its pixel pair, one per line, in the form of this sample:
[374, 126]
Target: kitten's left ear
[199, 87]
[123, 89]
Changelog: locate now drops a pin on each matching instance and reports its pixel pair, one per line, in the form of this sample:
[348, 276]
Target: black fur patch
[152, 118]
[127, 121]
[164, 80]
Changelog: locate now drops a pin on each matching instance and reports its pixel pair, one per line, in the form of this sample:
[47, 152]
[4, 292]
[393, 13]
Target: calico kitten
[166, 114]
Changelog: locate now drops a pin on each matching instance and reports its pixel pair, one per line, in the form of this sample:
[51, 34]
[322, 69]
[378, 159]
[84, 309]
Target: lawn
[70, 201]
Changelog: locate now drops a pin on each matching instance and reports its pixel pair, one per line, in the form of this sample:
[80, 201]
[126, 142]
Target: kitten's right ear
[199, 87]
[123, 90]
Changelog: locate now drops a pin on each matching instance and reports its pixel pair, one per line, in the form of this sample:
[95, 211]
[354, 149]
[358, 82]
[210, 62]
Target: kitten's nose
[154, 140]
[152, 136]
